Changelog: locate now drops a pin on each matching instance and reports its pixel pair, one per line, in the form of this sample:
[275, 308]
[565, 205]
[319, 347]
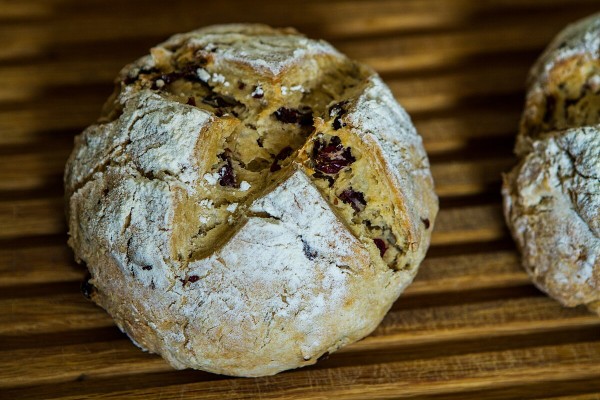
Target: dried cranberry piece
[190, 279]
[303, 117]
[191, 101]
[226, 174]
[283, 154]
[309, 252]
[380, 243]
[318, 145]
[323, 176]
[354, 198]
[337, 124]
[337, 111]
[187, 72]
[332, 158]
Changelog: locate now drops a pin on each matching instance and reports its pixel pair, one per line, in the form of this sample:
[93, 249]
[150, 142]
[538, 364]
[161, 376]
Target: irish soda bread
[250, 200]
[552, 197]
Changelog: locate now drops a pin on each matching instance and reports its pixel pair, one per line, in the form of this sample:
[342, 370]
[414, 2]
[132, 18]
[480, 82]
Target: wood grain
[385, 380]
[470, 326]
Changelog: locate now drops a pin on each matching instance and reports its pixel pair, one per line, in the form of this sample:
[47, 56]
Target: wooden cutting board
[471, 325]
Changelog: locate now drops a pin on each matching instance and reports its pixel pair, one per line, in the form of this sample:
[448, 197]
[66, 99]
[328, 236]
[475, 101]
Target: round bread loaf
[552, 197]
[249, 201]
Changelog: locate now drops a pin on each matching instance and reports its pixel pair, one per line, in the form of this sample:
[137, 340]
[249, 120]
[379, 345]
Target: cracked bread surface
[210, 230]
[552, 197]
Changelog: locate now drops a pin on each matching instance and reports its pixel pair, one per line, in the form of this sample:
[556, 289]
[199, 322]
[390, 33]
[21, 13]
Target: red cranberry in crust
[226, 174]
[188, 73]
[331, 159]
[303, 117]
[329, 179]
[380, 243]
[283, 154]
[337, 111]
[355, 199]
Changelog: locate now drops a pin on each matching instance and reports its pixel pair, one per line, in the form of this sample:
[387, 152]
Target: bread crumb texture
[249, 200]
[552, 197]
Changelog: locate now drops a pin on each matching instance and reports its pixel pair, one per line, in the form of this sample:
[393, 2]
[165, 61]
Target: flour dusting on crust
[551, 202]
[552, 197]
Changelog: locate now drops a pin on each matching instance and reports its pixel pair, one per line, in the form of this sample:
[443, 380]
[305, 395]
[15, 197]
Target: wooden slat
[49, 314]
[465, 224]
[411, 377]
[445, 90]
[463, 272]
[460, 128]
[31, 217]
[30, 82]
[35, 265]
[461, 178]
[400, 328]
[588, 396]
[33, 170]
[472, 321]
[32, 122]
[14, 10]
[447, 48]
[55, 364]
